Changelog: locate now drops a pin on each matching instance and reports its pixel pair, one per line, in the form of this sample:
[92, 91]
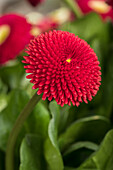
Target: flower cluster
[14, 35]
[63, 67]
[52, 20]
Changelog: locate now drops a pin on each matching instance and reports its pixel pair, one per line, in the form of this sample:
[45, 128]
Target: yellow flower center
[35, 31]
[4, 33]
[99, 6]
[68, 60]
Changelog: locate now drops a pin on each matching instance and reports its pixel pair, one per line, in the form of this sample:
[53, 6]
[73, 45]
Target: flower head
[98, 6]
[14, 35]
[63, 67]
[35, 2]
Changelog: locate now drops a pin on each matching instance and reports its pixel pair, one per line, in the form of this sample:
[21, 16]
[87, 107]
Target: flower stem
[16, 129]
[75, 8]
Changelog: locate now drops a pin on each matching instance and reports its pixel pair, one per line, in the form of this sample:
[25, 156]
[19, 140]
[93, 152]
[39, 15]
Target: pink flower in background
[45, 24]
[98, 6]
[55, 19]
[52, 20]
[14, 35]
[35, 2]
[63, 67]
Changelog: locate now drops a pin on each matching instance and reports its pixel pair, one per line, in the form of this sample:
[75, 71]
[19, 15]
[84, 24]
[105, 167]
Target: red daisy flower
[109, 2]
[35, 2]
[98, 6]
[14, 35]
[63, 67]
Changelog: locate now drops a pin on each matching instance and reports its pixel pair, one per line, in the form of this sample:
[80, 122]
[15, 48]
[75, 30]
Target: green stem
[16, 129]
[75, 8]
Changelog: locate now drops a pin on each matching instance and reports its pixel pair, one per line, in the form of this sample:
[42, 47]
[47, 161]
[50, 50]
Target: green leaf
[85, 129]
[52, 152]
[64, 114]
[12, 75]
[53, 126]
[78, 153]
[3, 101]
[31, 153]
[107, 87]
[38, 121]
[76, 113]
[103, 158]
[95, 43]
[3, 87]
[79, 145]
[17, 101]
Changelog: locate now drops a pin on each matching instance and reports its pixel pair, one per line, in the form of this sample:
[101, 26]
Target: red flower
[99, 6]
[63, 67]
[15, 34]
[109, 2]
[35, 2]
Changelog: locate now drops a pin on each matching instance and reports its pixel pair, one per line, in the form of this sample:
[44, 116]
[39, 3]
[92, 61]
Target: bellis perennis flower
[98, 6]
[63, 67]
[14, 35]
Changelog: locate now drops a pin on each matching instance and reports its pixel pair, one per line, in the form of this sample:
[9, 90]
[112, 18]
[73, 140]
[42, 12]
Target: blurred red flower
[98, 6]
[49, 22]
[63, 67]
[45, 24]
[35, 2]
[15, 34]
